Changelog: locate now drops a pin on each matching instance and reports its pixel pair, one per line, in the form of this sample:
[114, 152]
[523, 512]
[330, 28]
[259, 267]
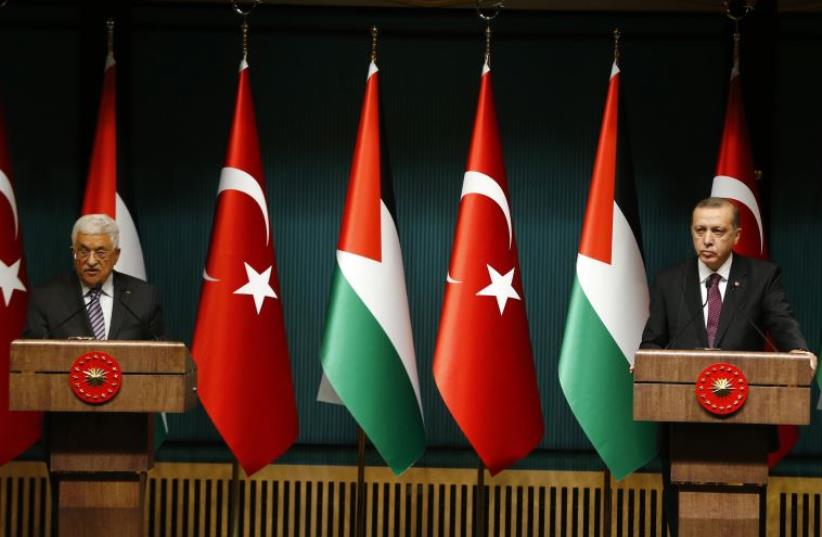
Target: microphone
[740, 311]
[696, 314]
[146, 327]
[62, 323]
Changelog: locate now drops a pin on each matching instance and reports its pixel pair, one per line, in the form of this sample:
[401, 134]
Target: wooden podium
[719, 463]
[99, 454]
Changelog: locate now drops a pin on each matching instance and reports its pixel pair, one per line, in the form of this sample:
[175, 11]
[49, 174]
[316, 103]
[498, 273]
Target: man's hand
[811, 356]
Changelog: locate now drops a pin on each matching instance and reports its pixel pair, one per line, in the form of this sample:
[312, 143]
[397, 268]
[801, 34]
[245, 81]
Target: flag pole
[747, 7]
[607, 502]
[359, 524]
[479, 502]
[486, 18]
[607, 493]
[359, 521]
[234, 506]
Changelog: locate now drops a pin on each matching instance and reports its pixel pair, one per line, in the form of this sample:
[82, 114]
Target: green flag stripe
[594, 376]
[366, 372]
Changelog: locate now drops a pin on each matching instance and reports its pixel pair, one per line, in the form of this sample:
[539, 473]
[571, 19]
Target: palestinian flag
[368, 350]
[609, 305]
[102, 196]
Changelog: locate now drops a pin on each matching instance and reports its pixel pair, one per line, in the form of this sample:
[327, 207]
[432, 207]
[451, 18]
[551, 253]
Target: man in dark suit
[95, 301]
[750, 293]
[718, 300]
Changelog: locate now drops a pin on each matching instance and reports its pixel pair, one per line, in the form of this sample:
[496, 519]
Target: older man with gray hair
[95, 301]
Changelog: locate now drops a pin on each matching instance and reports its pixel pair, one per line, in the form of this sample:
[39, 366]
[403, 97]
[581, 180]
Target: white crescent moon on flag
[483, 185]
[208, 278]
[732, 188]
[236, 179]
[5, 189]
[479, 183]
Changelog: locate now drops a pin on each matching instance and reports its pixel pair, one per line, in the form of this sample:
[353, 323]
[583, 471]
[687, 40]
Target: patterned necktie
[95, 313]
[714, 307]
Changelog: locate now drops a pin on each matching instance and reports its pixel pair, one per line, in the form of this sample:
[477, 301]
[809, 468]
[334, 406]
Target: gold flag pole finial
[617, 35]
[746, 8]
[110, 35]
[374, 33]
[244, 13]
[497, 7]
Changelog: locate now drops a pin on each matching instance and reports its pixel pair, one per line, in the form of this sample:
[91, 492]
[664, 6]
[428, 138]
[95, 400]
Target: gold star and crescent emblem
[95, 377]
[721, 389]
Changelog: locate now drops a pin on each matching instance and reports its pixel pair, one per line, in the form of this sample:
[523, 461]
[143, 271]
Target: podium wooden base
[728, 514]
[721, 470]
[99, 463]
[101, 508]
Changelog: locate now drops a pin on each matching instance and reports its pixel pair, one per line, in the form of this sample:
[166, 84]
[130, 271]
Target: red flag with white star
[483, 364]
[18, 430]
[736, 181]
[244, 371]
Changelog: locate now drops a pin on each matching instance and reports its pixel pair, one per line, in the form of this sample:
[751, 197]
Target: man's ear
[738, 234]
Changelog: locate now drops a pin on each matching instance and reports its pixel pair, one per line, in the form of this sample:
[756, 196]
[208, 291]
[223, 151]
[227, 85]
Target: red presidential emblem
[721, 389]
[95, 377]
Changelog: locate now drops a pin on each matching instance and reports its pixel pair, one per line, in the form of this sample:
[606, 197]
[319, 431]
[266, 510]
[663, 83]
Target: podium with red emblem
[721, 407]
[102, 397]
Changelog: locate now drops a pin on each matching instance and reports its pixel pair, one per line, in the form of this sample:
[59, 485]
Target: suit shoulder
[672, 272]
[759, 268]
[133, 284]
[58, 284]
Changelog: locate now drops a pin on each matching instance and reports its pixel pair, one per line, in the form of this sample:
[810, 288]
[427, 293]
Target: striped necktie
[714, 307]
[95, 313]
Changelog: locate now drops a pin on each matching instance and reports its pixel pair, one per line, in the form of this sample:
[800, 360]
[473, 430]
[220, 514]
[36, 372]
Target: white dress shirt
[106, 299]
[724, 273]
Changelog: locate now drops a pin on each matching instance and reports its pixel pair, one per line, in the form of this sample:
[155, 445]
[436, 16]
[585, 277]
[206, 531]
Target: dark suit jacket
[754, 294]
[56, 310]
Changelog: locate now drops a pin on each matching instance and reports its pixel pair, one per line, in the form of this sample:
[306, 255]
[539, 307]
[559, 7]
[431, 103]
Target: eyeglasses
[101, 254]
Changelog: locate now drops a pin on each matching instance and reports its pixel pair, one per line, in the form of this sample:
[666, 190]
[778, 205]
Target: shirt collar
[107, 287]
[724, 271]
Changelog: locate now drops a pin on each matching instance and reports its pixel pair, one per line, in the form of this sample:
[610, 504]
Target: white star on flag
[500, 287]
[257, 286]
[10, 280]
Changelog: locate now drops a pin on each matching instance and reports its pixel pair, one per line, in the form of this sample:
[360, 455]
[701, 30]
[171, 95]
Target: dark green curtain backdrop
[177, 69]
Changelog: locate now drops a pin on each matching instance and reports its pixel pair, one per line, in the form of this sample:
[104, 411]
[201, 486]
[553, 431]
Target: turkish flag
[735, 177]
[483, 364]
[240, 344]
[736, 181]
[18, 430]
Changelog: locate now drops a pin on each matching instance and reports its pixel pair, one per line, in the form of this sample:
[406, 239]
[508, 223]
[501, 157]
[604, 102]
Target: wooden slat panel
[410, 483]
[765, 405]
[765, 368]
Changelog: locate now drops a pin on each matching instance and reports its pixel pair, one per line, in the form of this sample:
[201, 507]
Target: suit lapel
[693, 297]
[74, 301]
[117, 312]
[734, 295]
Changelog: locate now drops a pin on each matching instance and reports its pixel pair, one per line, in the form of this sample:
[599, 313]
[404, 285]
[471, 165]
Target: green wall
[177, 77]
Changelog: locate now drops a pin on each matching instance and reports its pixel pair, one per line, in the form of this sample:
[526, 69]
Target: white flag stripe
[606, 286]
[381, 286]
[131, 256]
